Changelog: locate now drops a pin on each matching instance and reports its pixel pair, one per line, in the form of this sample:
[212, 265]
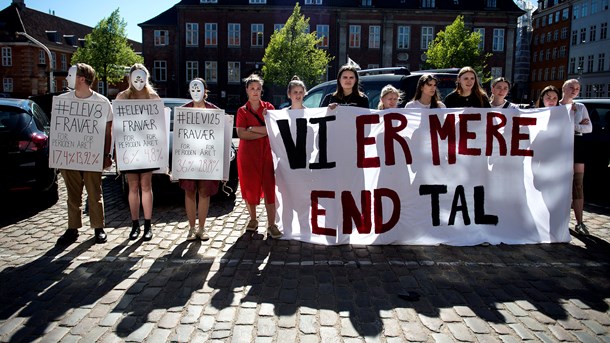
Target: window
[546, 74]
[208, 1]
[211, 72]
[498, 40]
[322, 32]
[535, 40]
[233, 36]
[64, 84]
[583, 34]
[565, 14]
[161, 37]
[496, 72]
[211, 34]
[557, 15]
[374, 36]
[427, 36]
[354, 36]
[427, 3]
[553, 72]
[603, 31]
[548, 37]
[562, 52]
[535, 58]
[481, 31]
[7, 84]
[581, 63]
[100, 87]
[541, 56]
[548, 54]
[576, 11]
[555, 53]
[258, 2]
[561, 75]
[313, 2]
[192, 70]
[7, 57]
[41, 57]
[492, 4]
[192, 34]
[233, 72]
[592, 32]
[550, 16]
[534, 76]
[572, 65]
[539, 74]
[574, 37]
[257, 34]
[366, 3]
[590, 64]
[53, 60]
[564, 32]
[160, 70]
[404, 37]
[601, 62]
[64, 62]
[594, 6]
[542, 38]
[556, 35]
[584, 9]
[277, 27]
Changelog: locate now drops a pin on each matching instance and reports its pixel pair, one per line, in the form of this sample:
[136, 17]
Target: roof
[169, 17]
[50, 30]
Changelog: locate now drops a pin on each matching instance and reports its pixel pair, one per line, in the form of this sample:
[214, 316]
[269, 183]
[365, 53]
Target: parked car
[373, 80]
[597, 171]
[163, 183]
[24, 149]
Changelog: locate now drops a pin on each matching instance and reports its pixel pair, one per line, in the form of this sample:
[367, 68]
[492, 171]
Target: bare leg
[578, 203]
[190, 204]
[204, 205]
[134, 195]
[147, 195]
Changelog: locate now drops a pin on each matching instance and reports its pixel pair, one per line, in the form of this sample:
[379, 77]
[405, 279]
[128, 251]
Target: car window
[40, 118]
[314, 98]
[599, 116]
[12, 119]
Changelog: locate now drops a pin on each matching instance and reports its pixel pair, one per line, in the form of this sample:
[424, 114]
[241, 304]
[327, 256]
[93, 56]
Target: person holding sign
[426, 93]
[140, 180]
[348, 92]
[582, 125]
[499, 90]
[296, 92]
[468, 92]
[80, 77]
[549, 97]
[388, 98]
[254, 159]
[205, 188]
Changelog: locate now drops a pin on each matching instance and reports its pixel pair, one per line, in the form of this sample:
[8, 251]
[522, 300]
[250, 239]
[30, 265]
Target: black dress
[353, 99]
[454, 100]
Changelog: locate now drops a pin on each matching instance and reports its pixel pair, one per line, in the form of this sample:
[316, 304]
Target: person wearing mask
[582, 125]
[549, 97]
[80, 78]
[348, 92]
[296, 92]
[499, 90]
[254, 159]
[426, 93]
[389, 97]
[468, 92]
[197, 193]
[139, 180]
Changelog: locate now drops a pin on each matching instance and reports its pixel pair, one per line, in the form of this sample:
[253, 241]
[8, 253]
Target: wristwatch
[249, 129]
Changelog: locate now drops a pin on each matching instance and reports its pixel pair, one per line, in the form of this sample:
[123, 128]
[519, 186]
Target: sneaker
[274, 232]
[202, 234]
[69, 237]
[100, 236]
[252, 225]
[192, 235]
[582, 229]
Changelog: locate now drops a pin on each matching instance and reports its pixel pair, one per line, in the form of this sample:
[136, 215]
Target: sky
[90, 13]
[133, 12]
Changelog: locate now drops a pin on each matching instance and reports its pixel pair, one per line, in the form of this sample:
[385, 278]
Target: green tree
[107, 50]
[456, 46]
[292, 51]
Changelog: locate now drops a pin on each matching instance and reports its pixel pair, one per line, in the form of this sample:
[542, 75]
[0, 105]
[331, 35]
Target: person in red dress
[254, 160]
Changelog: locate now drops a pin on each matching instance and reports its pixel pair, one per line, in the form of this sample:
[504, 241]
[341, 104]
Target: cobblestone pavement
[238, 287]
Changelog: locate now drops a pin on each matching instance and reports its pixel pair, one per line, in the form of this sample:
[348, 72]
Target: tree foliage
[107, 50]
[456, 47]
[293, 51]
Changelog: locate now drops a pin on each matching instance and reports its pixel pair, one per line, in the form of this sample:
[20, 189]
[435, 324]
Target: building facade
[223, 41]
[36, 50]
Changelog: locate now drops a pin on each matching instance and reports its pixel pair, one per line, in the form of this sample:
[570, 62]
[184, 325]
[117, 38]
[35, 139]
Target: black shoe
[148, 235]
[69, 237]
[100, 236]
[135, 232]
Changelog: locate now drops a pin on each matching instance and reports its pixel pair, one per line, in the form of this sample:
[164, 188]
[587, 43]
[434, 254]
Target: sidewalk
[242, 288]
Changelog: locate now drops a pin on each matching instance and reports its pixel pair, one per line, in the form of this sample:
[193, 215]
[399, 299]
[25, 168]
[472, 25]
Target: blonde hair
[148, 87]
[388, 89]
[296, 82]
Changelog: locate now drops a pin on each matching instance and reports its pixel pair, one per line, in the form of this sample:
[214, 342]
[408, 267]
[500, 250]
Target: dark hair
[253, 78]
[339, 92]
[540, 102]
[424, 79]
[495, 82]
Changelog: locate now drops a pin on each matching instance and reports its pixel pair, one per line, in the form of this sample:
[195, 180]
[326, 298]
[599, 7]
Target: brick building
[224, 41]
[25, 68]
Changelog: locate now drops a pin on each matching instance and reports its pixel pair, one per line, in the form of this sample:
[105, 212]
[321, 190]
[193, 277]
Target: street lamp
[579, 69]
[35, 41]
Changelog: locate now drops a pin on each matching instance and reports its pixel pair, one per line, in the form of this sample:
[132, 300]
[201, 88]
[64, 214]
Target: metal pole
[35, 41]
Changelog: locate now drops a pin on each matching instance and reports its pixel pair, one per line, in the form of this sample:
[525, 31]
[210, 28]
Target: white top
[511, 105]
[579, 111]
[95, 96]
[417, 104]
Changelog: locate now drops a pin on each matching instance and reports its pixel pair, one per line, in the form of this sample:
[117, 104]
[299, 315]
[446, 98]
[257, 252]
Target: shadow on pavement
[360, 283]
[50, 292]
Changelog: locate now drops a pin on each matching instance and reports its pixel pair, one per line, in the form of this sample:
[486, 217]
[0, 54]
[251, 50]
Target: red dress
[254, 159]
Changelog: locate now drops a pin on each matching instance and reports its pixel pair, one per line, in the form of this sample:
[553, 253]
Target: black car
[597, 171]
[24, 148]
[373, 80]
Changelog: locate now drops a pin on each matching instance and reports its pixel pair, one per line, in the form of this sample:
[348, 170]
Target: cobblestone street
[238, 287]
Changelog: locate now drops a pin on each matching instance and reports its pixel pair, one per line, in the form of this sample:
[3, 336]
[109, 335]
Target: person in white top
[426, 94]
[499, 90]
[582, 125]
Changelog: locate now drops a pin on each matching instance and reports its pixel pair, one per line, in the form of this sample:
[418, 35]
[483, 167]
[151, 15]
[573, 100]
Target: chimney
[19, 3]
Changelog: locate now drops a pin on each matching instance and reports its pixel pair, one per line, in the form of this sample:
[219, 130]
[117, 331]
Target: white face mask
[71, 78]
[197, 90]
[138, 79]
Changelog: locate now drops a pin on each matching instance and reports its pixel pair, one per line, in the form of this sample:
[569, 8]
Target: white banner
[140, 134]
[410, 176]
[199, 150]
[78, 130]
